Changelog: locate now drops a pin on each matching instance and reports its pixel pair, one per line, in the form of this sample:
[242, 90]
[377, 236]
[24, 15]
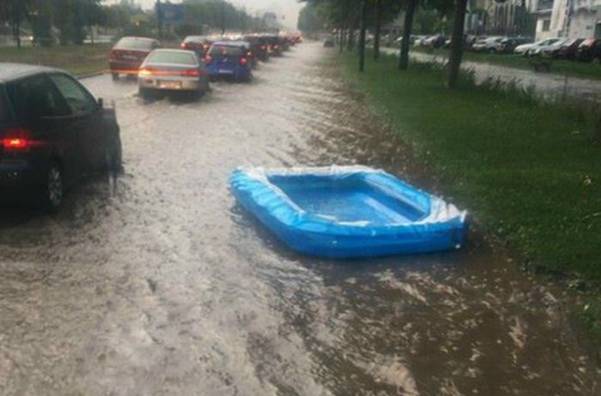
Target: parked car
[508, 44]
[435, 41]
[589, 49]
[172, 70]
[228, 59]
[526, 49]
[568, 49]
[52, 133]
[548, 50]
[199, 44]
[487, 45]
[329, 42]
[129, 53]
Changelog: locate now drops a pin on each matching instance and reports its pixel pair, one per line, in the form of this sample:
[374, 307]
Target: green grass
[527, 171]
[563, 67]
[79, 60]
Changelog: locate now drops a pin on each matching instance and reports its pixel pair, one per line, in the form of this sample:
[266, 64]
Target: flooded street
[158, 283]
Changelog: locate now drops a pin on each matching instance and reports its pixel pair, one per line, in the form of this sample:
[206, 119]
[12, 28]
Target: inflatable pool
[345, 212]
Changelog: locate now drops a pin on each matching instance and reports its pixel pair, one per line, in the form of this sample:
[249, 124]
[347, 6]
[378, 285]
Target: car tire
[54, 188]
[115, 76]
[144, 93]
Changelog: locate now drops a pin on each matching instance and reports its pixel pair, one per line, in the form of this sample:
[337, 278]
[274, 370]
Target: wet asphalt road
[158, 283]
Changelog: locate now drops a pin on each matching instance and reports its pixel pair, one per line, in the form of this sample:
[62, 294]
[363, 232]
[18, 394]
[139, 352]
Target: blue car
[229, 59]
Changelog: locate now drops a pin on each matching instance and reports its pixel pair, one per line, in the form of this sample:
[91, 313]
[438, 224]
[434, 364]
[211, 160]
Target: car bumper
[124, 67]
[170, 84]
[18, 177]
[237, 73]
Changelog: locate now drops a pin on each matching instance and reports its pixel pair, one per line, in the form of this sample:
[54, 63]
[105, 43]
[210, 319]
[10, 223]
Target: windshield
[174, 57]
[134, 44]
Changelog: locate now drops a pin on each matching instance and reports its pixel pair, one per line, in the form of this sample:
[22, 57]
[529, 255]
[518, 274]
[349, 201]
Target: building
[568, 18]
[493, 17]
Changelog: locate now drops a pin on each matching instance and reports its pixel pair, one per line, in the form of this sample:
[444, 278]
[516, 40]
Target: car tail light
[145, 72]
[183, 45]
[16, 139]
[190, 73]
[243, 61]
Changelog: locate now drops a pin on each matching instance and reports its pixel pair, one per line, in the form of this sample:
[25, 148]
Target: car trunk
[129, 56]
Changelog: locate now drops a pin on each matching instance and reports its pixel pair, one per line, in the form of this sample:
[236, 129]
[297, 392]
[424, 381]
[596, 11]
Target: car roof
[13, 71]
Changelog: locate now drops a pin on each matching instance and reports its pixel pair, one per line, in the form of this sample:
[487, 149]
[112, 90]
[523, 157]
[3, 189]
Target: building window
[546, 25]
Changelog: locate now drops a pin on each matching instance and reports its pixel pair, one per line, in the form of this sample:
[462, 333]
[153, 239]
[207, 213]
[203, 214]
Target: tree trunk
[362, 35]
[457, 42]
[350, 40]
[341, 36]
[378, 29]
[404, 55]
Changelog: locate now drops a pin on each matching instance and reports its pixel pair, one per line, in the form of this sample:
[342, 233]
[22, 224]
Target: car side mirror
[101, 103]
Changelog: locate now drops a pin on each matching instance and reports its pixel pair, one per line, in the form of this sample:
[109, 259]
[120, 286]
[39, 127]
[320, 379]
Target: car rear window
[224, 50]
[134, 44]
[175, 57]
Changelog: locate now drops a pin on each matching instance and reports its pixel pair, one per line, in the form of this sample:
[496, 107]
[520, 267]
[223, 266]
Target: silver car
[172, 70]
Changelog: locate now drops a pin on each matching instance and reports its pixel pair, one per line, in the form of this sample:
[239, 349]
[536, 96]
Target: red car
[198, 44]
[129, 53]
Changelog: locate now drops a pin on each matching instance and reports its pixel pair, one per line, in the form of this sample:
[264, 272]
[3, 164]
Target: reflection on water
[163, 285]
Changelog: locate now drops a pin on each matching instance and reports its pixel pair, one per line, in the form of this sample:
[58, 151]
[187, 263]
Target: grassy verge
[562, 67]
[527, 171]
[79, 60]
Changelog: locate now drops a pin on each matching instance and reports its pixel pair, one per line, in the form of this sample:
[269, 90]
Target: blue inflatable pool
[348, 211]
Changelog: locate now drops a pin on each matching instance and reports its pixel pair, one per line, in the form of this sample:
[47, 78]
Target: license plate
[170, 84]
[130, 57]
[225, 71]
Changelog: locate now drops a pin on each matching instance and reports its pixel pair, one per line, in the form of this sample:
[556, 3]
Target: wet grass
[79, 60]
[528, 171]
[558, 66]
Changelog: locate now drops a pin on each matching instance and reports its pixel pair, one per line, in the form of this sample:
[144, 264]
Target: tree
[457, 42]
[362, 35]
[404, 54]
[14, 12]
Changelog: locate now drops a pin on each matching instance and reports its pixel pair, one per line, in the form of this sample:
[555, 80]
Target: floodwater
[547, 85]
[159, 283]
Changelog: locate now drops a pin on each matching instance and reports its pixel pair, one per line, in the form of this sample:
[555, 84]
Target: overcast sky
[286, 9]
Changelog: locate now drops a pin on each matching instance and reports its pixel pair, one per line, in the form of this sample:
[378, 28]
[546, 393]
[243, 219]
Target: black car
[569, 49]
[53, 132]
[589, 50]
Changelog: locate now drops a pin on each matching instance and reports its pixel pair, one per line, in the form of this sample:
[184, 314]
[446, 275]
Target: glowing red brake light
[183, 45]
[16, 139]
[191, 73]
[243, 61]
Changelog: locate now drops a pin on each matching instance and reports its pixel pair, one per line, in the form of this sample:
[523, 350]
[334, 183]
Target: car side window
[36, 97]
[80, 101]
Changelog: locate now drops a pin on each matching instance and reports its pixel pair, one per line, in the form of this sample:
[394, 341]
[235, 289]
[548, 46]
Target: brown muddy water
[159, 283]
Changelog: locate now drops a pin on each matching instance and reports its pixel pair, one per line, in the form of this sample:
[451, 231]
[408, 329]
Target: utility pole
[159, 12]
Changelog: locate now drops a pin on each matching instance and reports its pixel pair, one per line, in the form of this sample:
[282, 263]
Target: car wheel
[53, 192]
[144, 93]
[115, 76]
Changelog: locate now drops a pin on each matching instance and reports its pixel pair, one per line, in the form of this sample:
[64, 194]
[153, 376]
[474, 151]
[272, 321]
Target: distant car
[273, 45]
[228, 59]
[589, 50]
[52, 133]
[548, 50]
[129, 53]
[198, 44]
[170, 70]
[508, 44]
[530, 48]
[487, 45]
[569, 48]
[329, 42]
[258, 46]
[435, 41]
